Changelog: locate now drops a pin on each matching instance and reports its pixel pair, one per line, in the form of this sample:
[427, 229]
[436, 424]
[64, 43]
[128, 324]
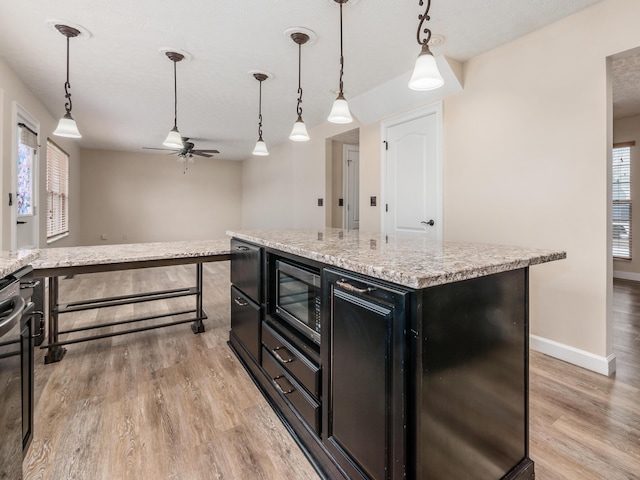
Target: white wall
[628, 130]
[13, 90]
[526, 159]
[139, 197]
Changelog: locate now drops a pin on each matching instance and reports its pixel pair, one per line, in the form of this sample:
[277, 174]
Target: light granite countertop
[13, 261]
[51, 258]
[409, 261]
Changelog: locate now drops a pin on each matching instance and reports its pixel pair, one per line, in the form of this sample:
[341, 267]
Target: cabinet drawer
[246, 271]
[299, 366]
[300, 400]
[245, 321]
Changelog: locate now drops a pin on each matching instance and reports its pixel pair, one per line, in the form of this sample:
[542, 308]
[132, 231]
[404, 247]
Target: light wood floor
[167, 404]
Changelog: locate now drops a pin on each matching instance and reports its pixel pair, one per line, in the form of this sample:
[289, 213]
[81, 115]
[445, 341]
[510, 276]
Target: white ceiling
[625, 73]
[122, 86]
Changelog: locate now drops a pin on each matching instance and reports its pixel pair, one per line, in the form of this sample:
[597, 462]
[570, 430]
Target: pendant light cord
[175, 96]
[341, 54]
[424, 18]
[260, 115]
[67, 85]
[299, 108]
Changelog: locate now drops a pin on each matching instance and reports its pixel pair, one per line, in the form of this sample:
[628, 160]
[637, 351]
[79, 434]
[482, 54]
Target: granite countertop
[132, 252]
[404, 260]
[13, 261]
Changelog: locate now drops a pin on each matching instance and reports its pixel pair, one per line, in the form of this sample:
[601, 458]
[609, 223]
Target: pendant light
[340, 111]
[426, 75]
[299, 131]
[174, 139]
[261, 147]
[67, 125]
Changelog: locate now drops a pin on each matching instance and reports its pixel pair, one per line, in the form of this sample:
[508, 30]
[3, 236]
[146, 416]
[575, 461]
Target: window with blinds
[621, 195]
[57, 191]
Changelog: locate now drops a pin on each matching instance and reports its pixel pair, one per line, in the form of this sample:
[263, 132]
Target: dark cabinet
[245, 321]
[246, 299]
[365, 410]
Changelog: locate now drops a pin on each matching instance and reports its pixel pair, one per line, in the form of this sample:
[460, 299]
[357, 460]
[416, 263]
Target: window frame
[618, 204]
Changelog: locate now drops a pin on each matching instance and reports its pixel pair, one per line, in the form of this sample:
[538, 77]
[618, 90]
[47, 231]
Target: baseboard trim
[627, 276]
[596, 363]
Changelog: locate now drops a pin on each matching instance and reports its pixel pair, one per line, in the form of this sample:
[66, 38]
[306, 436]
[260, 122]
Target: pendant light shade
[174, 139]
[261, 148]
[67, 125]
[299, 131]
[340, 111]
[426, 75]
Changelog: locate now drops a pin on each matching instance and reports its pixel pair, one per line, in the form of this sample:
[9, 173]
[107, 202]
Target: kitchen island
[389, 357]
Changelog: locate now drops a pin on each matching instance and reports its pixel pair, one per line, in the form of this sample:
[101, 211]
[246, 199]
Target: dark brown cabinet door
[245, 322]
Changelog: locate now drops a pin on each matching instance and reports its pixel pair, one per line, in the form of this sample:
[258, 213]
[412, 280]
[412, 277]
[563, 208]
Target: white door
[24, 195]
[351, 167]
[412, 183]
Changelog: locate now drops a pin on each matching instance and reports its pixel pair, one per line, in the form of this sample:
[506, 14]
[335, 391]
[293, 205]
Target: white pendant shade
[174, 139]
[67, 127]
[426, 75]
[261, 148]
[299, 132]
[340, 111]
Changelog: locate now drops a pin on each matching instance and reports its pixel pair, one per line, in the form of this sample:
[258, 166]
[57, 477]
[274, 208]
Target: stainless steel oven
[12, 307]
[298, 298]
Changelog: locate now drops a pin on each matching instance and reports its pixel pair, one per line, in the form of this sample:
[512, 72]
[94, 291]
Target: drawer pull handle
[29, 284]
[240, 301]
[279, 388]
[242, 248]
[351, 288]
[280, 359]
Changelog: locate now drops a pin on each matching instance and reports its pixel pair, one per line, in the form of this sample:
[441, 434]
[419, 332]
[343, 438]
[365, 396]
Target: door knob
[431, 223]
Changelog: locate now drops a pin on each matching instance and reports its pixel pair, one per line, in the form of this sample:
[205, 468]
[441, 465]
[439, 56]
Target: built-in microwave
[298, 298]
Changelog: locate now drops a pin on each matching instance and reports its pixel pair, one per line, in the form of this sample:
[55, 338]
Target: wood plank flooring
[168, 404]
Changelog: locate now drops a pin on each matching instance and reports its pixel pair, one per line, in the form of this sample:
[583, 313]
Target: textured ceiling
[625, 72]
[122, 85]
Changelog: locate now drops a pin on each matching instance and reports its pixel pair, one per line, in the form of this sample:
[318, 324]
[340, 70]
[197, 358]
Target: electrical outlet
[373, 201]
[341, 202]
[320, 202]
[103, 236]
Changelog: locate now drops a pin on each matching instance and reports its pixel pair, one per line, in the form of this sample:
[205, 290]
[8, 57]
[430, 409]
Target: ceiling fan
[185, 154]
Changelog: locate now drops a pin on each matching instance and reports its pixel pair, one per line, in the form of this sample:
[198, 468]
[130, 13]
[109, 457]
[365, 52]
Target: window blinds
[57, 191]
[621, 195]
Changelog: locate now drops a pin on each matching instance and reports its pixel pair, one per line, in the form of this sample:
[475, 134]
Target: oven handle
[8, 322]
[342, 283]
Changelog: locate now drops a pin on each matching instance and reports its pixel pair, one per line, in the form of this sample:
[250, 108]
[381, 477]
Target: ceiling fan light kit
[67, 126]
[426, 75]
[299, 132]
[174, 139]
[340, 111]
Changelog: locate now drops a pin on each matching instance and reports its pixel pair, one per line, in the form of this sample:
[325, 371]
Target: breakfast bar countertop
[405, 260]
[53, 258]
[13, 261]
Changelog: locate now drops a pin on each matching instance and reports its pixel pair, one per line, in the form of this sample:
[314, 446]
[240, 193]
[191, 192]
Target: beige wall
[282, 190]
[526, 163]
[13, 91]
[139, 197]
[628, 130]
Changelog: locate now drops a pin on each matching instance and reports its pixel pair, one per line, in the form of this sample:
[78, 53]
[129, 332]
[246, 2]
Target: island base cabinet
[245, 322]
[364, 414]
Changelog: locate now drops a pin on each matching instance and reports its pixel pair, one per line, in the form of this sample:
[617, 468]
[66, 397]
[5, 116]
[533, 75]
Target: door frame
[345, 182]
[433, 109]
[19, 113]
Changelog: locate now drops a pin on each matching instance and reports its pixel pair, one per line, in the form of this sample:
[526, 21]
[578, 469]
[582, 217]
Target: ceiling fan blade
[200, 154]
[207, 151]
[166, 149]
